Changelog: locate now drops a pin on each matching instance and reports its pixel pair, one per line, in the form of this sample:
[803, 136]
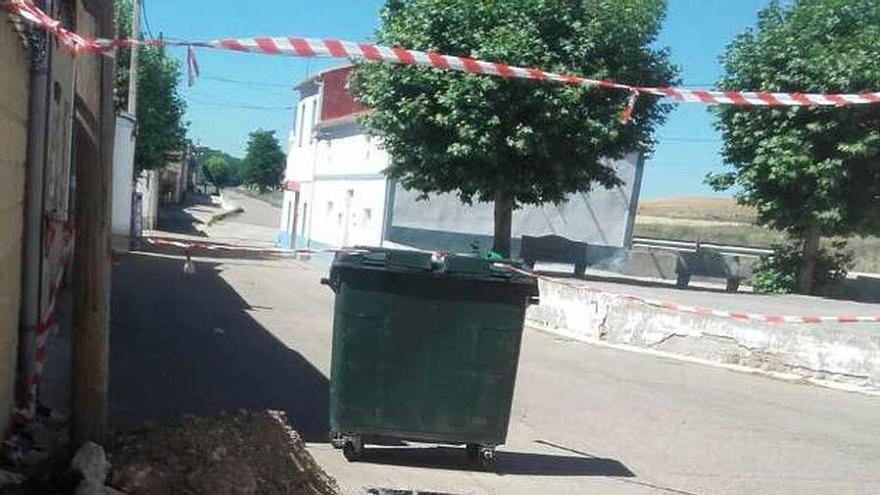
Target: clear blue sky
[695, 30]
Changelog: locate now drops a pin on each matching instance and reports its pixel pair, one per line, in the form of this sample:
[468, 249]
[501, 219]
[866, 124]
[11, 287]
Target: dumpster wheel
[353, 448]
[481, 456]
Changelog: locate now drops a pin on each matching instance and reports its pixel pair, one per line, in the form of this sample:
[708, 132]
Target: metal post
[32, 254]
[133, 66]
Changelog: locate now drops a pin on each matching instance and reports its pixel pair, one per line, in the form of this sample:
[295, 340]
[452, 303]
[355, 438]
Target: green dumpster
[424, 349]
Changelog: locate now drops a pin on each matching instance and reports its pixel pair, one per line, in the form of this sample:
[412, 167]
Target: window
[67, 14]
[329, 208]
[367, 216]
[339, 219]
[351, 193]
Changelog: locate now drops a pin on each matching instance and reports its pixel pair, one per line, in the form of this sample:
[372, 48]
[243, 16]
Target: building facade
[334, 187]
[337, 195]
[56, 138]
[14, 95]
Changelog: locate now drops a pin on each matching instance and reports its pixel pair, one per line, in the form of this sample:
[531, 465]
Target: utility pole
[92, 267]
[135, 55]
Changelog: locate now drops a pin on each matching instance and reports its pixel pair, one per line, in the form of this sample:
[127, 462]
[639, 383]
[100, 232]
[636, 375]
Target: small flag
[630, 106]
[192, 66]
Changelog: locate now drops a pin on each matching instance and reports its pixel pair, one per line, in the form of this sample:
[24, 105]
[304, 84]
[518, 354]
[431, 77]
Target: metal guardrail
[681, 245]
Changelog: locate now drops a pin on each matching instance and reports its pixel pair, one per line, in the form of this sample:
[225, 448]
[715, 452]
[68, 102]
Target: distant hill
[711, 209]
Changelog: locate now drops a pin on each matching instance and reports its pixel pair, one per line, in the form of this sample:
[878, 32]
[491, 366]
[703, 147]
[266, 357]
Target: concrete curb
[845, 357]
[229, 209]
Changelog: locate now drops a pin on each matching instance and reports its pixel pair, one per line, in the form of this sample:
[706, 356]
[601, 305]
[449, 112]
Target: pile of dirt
[243, 453]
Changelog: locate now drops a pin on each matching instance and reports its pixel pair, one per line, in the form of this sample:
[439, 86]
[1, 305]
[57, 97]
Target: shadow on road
[509, 463]
[646, 484]
[173, 218]
[185, 344]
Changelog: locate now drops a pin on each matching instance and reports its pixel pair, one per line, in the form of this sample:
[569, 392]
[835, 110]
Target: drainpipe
[633, 209]
[319, 104]
[32, 252]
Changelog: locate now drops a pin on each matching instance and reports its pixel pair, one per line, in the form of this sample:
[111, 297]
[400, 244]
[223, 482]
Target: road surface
[258, 222]
[255, 333]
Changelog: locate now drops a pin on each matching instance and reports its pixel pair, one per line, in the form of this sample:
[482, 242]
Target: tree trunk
[503, 224]
[808, 264]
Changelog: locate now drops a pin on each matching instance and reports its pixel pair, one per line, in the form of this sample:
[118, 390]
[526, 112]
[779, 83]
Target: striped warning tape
[333, 48]
[668, 305]
[698, 310]
[27, 405]
[220, 246]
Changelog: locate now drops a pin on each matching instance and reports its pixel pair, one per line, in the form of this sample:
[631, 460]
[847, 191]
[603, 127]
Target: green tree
[122, 12]
[512, 141]
[810, 172]
[218, 171]
[205, 154]
[263, 165]
[160, 127]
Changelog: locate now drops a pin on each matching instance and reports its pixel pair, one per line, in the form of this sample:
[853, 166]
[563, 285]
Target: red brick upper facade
[338, 102]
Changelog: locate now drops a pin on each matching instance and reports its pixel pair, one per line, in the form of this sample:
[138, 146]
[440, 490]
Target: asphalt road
[256, 334]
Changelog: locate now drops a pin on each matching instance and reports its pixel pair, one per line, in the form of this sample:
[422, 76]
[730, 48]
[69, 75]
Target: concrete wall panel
[842, 355]
[601, 217]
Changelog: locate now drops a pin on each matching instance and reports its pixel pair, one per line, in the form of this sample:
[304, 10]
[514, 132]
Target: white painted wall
[123, 175]
[347, 212]
[149, 185]
[600, 217]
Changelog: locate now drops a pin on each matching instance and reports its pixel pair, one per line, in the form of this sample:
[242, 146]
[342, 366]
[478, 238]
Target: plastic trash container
[424, 350]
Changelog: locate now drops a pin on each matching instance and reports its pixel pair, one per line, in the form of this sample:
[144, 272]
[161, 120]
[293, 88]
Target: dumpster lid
[453, 264]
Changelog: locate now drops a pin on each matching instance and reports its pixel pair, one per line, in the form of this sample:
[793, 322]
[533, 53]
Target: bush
[778, 273]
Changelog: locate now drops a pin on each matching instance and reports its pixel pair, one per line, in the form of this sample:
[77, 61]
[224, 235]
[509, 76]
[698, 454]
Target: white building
[336, 194]
[334, 187]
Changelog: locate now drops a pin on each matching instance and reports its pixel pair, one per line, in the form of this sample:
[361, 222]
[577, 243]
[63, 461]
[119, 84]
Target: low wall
[846, 354]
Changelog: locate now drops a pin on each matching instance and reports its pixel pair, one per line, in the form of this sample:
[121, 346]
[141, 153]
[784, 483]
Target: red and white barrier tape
[29, 12]
[331, 48]
[219, 246]
[28, 404]
[698, 310]
[668, 305]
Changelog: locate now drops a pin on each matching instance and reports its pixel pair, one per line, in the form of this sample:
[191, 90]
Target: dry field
[722, 220]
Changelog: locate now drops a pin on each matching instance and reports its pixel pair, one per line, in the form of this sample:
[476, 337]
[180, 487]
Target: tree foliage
[807, 171]
[218, 171]
[263, 165]
[160, 126]
[778, 272]
[122, 12]
[517, 141]
[205, 155]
